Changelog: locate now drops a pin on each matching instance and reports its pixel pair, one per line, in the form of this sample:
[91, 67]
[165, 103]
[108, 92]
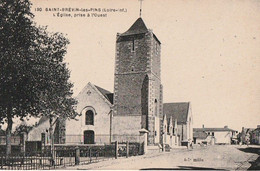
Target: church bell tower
[137, 83]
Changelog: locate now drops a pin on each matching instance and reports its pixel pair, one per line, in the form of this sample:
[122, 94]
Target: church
[136, 103]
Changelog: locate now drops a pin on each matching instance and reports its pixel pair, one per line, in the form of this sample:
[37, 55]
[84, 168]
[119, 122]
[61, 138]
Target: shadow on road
[255, 165]
[182, 168]
[250, 150]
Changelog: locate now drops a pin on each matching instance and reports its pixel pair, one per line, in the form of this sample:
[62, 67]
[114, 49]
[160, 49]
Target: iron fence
[27, 161]
[38, 155]
[134, 149]
[63, 156]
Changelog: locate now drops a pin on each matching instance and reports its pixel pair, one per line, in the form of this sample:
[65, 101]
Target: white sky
[210, 52]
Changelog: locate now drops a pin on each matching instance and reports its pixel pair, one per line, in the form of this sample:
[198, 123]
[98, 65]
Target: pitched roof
[43, 119]
[201, 135]
[137, 28]
[111, 97]
[107, 94]
[212, 129]
[178, 111]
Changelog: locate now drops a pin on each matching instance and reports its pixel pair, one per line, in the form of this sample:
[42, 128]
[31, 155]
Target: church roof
[103, 91]
[137, 28]
[111, 97]
[178, 111]
[107, 94]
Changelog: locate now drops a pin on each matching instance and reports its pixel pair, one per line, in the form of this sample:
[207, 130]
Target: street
[224, 157]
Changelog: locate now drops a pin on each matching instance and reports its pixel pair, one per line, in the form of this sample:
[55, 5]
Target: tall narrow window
[156, 107]
[133, 45]
[89, 117]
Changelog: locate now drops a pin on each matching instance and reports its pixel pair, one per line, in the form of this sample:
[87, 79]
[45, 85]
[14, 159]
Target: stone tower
[137, 83]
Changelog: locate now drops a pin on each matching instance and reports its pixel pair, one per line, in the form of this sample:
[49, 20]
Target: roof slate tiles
[178, 111]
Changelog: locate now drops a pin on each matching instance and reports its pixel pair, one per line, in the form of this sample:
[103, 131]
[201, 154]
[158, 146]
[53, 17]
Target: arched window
[89, 117]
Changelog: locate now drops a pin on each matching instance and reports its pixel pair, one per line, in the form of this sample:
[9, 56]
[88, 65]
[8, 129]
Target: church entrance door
[89, 137]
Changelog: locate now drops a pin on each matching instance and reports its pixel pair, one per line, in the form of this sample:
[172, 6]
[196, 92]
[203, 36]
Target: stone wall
[137, 87]
[126, 125]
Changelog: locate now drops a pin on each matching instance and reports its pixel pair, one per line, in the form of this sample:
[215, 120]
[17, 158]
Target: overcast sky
[210, 52]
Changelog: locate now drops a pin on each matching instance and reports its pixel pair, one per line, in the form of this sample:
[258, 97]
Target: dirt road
[227, 157]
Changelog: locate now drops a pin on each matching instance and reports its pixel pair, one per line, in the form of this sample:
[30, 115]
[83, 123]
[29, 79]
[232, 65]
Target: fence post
[2, 161]
[90, 159]
[77, 156]
[143, 132]
[127, 149]
[116, 149]
[163, 147]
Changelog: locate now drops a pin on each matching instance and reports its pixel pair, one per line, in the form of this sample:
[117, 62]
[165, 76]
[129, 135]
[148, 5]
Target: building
[91, 126]
[255, 136]
[137, 83]
[245, 135]
[181, 113]
[201, 138]
[250, 135]
[136, 104]
[216, 135]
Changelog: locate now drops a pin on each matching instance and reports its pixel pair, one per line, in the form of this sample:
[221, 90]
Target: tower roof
[137, 28]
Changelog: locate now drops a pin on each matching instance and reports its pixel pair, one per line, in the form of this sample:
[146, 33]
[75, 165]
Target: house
[181, 114]
[255, 136]
[250, 135]
[41, 127]
[200, 137]
[215, 135]
[245, 135]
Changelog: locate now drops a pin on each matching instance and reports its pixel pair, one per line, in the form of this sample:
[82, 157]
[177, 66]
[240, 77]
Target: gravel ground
[224, 157]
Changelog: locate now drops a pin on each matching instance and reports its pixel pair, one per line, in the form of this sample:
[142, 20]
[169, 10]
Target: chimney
[226, 126]
[203, 126]
[258, 126]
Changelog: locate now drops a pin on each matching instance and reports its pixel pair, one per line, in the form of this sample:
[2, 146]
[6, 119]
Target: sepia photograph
[129, 85]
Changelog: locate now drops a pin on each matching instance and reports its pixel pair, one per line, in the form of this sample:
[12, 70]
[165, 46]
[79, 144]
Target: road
[224, 157]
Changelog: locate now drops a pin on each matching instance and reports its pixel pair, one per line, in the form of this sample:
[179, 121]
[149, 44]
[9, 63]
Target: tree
[22, 128]
[34, 79]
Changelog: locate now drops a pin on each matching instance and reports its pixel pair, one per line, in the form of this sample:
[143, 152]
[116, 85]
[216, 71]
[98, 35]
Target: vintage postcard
[130, 85]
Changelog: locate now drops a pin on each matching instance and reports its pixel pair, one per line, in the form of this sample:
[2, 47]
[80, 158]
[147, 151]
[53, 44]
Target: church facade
[136, 104]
